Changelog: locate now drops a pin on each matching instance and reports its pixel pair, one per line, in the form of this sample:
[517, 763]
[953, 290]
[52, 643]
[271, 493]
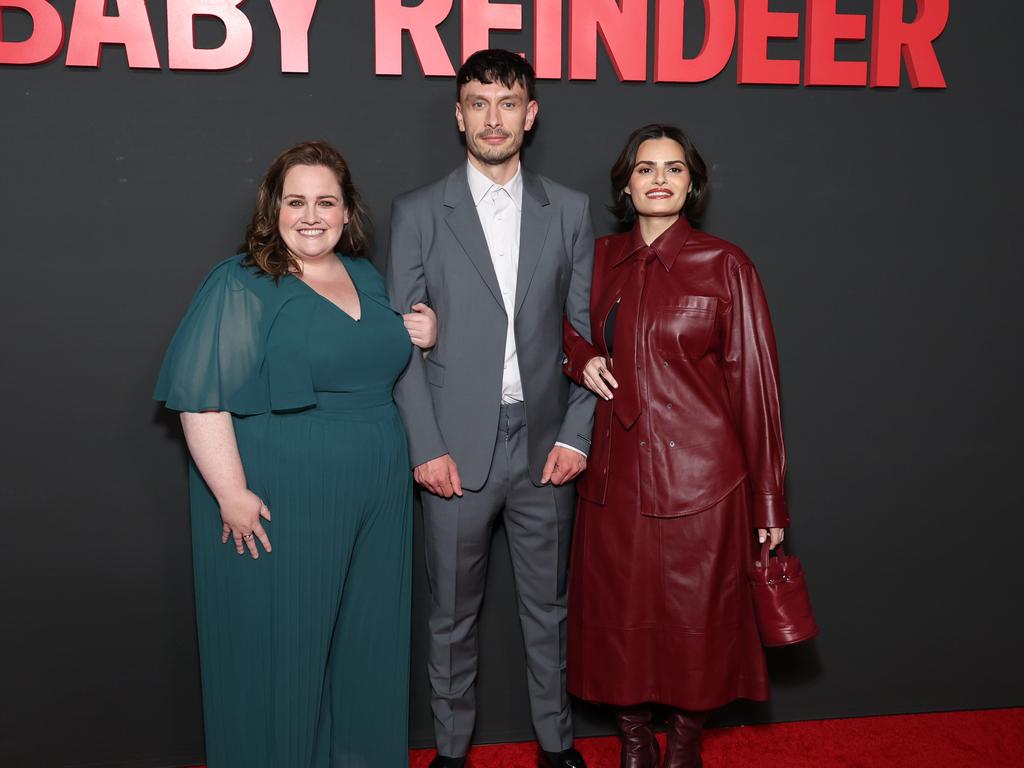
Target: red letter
[757, 24]
[623, 31]
[719, 36]
[90, 29]
[45, 41]
[479, 17]
[181, 45]
[891, 37]
[293, 19]
[824, 27]
[421, 23]
[547, 39]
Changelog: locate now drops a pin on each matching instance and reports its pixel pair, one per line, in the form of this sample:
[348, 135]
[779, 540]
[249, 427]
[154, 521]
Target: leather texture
[567, 758]
[660, 606]
[782, 603]
[704, 363]
[682, 741]
[639, 747]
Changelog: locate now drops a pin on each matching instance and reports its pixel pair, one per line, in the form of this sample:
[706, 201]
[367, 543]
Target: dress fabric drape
[304, 652]
[659, 605]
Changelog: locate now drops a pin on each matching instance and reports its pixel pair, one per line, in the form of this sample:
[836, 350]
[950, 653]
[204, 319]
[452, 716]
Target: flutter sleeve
[214, 361]
[751, 368]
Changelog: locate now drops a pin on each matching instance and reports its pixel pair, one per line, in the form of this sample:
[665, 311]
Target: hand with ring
[242, 514]
[597, 377]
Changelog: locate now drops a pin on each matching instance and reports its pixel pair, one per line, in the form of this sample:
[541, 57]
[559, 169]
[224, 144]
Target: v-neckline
[359, 295]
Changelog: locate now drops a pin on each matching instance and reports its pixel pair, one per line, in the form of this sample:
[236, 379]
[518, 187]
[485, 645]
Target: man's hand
[563, 465]
[440, 476]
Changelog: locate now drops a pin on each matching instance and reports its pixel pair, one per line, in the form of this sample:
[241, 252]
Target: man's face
[495, 119]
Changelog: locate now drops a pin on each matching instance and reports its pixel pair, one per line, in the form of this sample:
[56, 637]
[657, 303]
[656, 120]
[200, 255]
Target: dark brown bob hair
[263, 242]
[623, 208]
[496, 65]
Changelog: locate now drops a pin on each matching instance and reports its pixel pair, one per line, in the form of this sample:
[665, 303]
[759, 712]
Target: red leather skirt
[660, 609]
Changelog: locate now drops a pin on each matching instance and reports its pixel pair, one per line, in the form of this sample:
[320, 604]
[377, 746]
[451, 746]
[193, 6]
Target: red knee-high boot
[639, 747]
[683, 745]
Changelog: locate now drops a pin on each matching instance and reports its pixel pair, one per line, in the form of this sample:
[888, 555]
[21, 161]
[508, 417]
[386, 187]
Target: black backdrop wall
[884, 224]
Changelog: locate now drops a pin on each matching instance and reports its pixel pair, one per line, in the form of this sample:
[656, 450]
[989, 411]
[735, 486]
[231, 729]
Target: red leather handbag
[781, 602]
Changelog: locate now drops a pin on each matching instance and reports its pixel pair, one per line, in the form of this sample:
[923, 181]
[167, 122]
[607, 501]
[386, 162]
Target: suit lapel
[537, 213]
[464, 223]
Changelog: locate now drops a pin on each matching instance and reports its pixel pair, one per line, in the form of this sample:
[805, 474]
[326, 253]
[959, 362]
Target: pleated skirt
[305, 651]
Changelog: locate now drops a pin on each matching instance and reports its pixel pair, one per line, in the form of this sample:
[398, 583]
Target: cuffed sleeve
[578, 422]
[578, 352]
[750, 363]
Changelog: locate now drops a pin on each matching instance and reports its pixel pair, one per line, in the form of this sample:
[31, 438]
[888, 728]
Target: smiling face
[495, 119]
[313, 213]
[660, 180]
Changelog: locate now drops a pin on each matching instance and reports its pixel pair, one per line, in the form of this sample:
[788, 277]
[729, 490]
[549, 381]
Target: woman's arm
[211, 441]
[750, 364]
[584, 364]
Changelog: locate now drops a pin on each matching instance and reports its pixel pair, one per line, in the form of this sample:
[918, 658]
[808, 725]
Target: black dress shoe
[567, 758]
[440, 761]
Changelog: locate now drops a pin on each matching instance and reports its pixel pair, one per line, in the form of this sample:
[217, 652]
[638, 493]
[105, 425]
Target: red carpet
[987, 739]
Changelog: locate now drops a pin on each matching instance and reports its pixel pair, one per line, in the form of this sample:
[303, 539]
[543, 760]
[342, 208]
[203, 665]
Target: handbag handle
[766, 552]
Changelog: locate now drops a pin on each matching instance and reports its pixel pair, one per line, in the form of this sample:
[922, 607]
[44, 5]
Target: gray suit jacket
[438, 255]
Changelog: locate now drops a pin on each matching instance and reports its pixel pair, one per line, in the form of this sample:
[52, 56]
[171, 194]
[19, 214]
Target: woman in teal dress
[283, 369]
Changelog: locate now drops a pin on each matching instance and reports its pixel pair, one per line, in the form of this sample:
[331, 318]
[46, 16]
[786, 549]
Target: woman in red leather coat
[687, 461]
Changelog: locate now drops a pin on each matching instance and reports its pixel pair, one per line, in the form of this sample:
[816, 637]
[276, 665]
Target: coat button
[665, 363]
[643, 443]
[669, 406]
[671, 443]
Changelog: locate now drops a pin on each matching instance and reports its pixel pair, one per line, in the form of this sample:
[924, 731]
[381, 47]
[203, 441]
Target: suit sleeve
[752, 375]
[407, 285]
[579, 416]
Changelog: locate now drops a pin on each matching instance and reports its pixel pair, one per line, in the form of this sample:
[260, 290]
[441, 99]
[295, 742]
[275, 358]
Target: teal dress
[305, 651]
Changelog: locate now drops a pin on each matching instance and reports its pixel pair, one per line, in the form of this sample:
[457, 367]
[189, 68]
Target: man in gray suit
[495, 428]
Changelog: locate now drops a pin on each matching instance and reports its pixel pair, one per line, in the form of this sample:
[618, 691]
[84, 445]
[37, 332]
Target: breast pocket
[685, 330]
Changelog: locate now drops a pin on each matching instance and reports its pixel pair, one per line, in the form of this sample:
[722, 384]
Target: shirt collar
[480, 185]
[666, 247]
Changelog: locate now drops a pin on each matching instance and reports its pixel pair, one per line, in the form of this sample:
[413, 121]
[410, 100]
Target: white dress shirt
[500, 211]
[500, 208]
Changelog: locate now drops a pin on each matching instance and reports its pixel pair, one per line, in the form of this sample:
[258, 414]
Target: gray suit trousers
[538, 525]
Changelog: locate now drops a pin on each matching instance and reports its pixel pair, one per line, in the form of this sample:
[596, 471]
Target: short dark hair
[496, 65]
[263, 242]
[693, 207]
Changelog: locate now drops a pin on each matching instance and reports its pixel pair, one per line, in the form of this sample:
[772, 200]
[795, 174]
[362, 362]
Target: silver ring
[247, 537]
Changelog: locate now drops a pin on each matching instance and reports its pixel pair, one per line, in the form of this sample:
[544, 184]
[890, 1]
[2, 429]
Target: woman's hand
[241, 513]
[597, 377]
[421, 324]
[777, 534]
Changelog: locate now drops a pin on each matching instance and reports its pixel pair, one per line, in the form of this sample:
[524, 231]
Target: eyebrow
[318, 197]
[507, 96]
[651, 162]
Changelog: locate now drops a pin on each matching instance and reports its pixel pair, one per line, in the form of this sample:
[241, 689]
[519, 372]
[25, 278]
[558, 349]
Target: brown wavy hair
[263, 244]
[693, 207]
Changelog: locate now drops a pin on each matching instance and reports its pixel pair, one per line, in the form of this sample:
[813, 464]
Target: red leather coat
[707, 374]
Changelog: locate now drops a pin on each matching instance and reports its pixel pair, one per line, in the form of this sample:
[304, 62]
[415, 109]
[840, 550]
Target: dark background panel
[884, 225]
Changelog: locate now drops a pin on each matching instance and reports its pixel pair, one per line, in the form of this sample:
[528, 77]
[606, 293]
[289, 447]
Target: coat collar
[666, 247]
